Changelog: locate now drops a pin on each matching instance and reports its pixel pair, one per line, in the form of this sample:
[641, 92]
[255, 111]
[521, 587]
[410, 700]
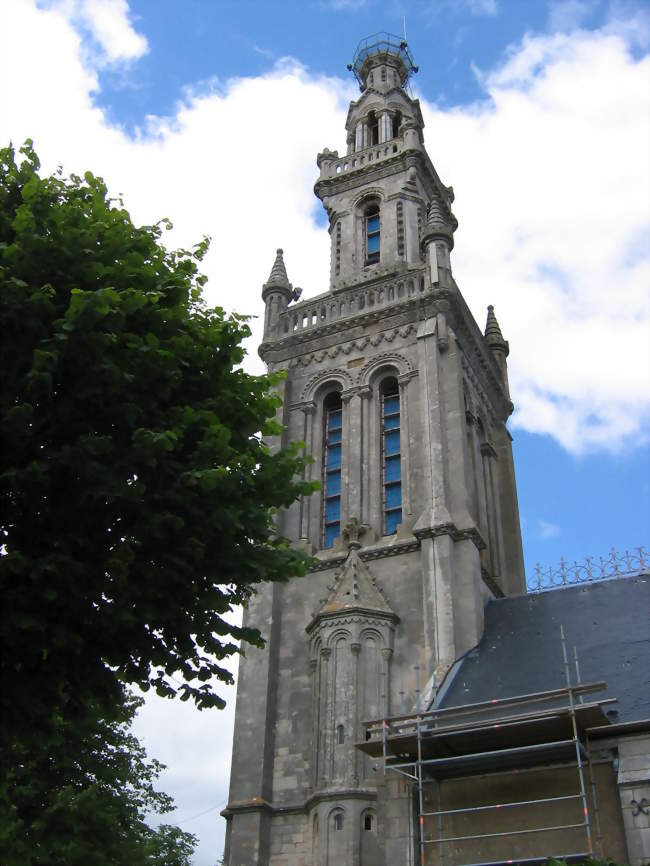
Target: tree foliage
[136, 489]
[83, 798]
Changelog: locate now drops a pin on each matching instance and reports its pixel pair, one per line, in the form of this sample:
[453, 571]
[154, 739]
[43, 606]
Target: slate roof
[521, 653]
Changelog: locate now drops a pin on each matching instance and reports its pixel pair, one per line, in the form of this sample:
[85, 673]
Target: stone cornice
[368, 554]
[259, 804]
[350, 615]
[456, 534]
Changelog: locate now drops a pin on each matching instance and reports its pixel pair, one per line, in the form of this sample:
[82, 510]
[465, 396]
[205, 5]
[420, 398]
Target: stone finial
[440, 222]
[351, 532]
[493, 335]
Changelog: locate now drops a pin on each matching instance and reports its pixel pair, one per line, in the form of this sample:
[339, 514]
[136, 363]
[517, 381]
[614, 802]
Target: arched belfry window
[391, 455]
[372, 234]
[333, 434]
[340, 735]
[373, 129]
[397, 122]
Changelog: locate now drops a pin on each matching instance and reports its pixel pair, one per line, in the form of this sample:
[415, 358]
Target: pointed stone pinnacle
[493, 335]
[278, 280]
[278, 275]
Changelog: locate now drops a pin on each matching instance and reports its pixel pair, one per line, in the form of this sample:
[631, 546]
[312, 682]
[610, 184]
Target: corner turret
[277, 292]
[438, 235]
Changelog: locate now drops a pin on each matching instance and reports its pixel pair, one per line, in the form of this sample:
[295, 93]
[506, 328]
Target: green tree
[82, 800]
[136, 489]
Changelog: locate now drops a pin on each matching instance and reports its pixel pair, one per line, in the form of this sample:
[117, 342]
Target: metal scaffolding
[498, 736]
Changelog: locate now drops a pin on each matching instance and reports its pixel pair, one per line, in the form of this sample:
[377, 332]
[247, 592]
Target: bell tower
[402, 402]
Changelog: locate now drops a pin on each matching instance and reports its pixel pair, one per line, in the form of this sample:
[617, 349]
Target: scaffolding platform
[498, 736]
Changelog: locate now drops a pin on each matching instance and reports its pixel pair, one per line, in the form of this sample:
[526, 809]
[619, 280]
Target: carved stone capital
[307, 406]
[325, 652]
[313, 664]
[386, 654]
[487, 450]
[355, 648]
[404, 378]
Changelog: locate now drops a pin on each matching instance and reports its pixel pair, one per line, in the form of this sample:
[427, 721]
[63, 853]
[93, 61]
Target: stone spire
[277, 293]
[493, 335]
[278, 279]
[497, 345]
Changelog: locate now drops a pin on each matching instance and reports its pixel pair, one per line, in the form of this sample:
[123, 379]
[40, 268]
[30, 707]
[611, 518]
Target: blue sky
[536, 112]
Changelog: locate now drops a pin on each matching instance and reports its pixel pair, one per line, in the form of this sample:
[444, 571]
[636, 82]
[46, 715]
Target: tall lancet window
[332, 469]
[391, 456]
[372, 234]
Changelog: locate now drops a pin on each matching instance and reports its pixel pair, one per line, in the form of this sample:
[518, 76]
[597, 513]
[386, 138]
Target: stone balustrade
[360, 158]
[329, 307]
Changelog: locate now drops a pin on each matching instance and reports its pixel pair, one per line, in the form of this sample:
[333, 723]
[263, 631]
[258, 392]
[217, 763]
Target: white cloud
[551, 178]
[108, 21]
[547, 530]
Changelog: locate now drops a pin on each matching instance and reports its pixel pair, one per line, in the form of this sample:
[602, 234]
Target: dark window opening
[367, 822]
[397, 122]
[338, 821]
[373, 129]
[340, 735]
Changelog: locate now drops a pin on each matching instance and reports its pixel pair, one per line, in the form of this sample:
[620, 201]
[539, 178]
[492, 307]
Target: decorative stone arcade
[402, 401]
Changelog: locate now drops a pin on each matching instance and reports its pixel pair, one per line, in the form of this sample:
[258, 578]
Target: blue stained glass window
[393, 519]
[392, 461]
[373, 235]
[332, 469]
[331, 534]
[333, 456]
[373, 243]
[392, 442]
[393, 468]
[393, 496]
[391, 406]
[334, 483]
[333, 510]
[335, 420]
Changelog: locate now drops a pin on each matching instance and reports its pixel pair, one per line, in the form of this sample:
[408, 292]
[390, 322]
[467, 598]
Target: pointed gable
[354, 590]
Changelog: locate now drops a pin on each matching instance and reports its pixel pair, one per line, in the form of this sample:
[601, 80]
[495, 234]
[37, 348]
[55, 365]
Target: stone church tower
[402, 401]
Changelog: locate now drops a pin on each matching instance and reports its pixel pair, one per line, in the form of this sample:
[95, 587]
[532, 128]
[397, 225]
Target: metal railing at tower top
[591, 569]
[381, 44]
